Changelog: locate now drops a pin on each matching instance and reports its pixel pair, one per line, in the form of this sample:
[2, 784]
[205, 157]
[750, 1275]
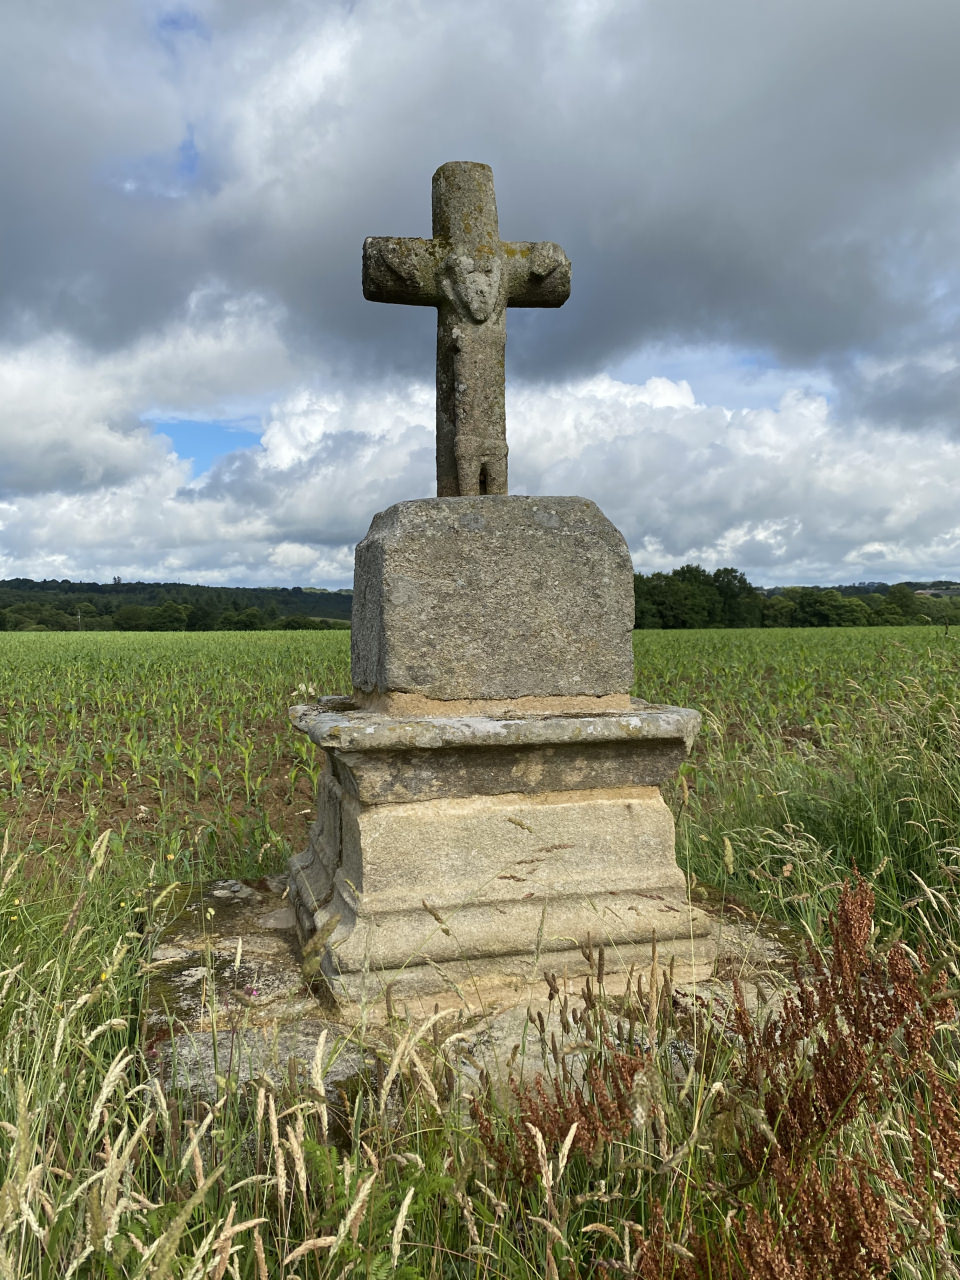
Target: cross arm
[538, 273]
[400, 269]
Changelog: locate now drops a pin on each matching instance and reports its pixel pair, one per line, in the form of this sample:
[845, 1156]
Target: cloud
[784, 179]
[785, 494]
[72, 417]
[759, 200]
[780, 493]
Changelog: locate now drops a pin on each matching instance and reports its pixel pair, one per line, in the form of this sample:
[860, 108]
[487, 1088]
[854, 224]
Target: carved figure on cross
[471, 276]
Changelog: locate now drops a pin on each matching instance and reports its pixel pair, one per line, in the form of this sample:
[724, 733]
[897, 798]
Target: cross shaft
[471, 276]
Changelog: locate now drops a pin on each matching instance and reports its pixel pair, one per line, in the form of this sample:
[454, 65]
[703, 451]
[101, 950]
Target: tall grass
[659, 1140]
[820, 754]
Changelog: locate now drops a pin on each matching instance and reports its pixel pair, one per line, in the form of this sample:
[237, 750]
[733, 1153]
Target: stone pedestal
[490, 800]
[451, 849]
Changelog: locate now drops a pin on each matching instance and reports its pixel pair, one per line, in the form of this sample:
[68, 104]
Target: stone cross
[471, 276]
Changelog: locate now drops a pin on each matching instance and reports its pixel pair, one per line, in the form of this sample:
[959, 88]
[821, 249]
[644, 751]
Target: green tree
[741, 604]
[645, 614]
[298, 622]
[779, 611]
[201, 616]
[249, 620]
[817, 607]
[168, 617]
[888, 615]
[685, 598]
[855, 613]
[130, 617]
[901, 597]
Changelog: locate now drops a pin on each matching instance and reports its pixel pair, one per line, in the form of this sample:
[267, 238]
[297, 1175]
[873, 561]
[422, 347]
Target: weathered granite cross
[471, 276]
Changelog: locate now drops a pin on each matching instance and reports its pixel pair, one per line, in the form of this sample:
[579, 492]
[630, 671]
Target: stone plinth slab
[338, 724]
[385, 760]
[493, 598]
[473, 843]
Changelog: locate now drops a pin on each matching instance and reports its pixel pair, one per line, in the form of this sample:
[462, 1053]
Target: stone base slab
[406, 705]
[385, 760]
[226, 993]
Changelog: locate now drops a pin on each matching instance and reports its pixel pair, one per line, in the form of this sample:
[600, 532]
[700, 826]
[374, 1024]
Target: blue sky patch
[169, 175]
[203, 441]
[188, 157]
[177, 21]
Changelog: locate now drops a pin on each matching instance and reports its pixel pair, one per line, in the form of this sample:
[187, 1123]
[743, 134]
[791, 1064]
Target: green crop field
[179, 744]
[827, 1147]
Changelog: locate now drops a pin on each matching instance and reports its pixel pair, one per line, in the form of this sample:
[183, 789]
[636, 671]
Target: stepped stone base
[448, 849]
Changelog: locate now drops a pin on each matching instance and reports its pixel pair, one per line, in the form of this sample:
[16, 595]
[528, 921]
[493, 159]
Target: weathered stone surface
[458, 880]
[496, 597]
[336, 724]
[382, 761]
[471, 277]
[226, 993]
[312, 871]
[398, 777]
[488, 999]
[193, 1059]
[406, 706]
[231, 957]
[514, 980]
[517, 847]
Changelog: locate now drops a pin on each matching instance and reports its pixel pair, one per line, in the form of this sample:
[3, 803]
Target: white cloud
[72, 419]
[784, 494]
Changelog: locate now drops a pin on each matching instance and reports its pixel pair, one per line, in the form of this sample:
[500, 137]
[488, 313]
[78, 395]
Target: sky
[758, 365]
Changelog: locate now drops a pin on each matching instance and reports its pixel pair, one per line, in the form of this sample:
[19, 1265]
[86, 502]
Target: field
[828, 1146]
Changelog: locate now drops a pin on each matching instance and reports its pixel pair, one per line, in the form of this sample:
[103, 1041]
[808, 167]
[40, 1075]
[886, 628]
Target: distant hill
[685, 597]
[942, 588]
[62, 605]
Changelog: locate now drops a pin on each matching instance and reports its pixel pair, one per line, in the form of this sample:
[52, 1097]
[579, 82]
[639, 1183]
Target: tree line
[685, 598]
[62, 605]
[691, 597]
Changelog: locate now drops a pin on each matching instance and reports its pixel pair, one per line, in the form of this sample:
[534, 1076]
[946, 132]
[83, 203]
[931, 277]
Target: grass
[824, 789]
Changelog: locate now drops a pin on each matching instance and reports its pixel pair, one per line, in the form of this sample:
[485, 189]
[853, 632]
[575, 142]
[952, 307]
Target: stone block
[315, 867]
[500, 848]
[497, 597]
[492, 983]
[396, 777]
[451, 880]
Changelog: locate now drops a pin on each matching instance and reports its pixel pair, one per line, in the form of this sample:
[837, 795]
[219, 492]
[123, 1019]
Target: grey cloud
[914, 394]
[26, 470]
[730, 173]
